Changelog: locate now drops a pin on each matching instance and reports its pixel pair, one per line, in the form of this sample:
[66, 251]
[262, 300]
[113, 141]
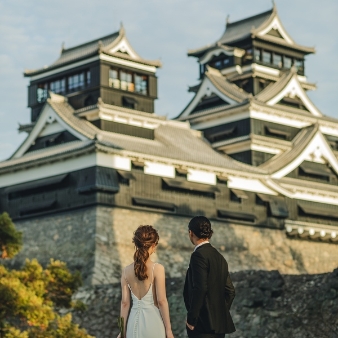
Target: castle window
[258, 54]
[129, 102]
[287, 62]
[237, 195]
[248, 54]
[277, 133]
[218, 64]
[127, 81]
[42, 91]
[226, 61]
[263, 83]
[58, 86]
[221, 135]
[277, 60]
[76, 81]
[266, 57]
[124, 177]
[141, 84]
[88, 78]
[315, 171]
[114, 80]
[299, 64]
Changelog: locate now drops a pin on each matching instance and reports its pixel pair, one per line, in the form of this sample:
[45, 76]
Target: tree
[32, 296]
[10, 239]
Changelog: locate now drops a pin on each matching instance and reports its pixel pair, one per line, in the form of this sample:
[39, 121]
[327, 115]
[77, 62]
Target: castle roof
[299, 143]
[173, 140]
[242, 29]
[257, 26]
[104, 45]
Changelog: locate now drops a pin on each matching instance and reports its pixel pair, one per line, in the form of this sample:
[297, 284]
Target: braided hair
[144, 237]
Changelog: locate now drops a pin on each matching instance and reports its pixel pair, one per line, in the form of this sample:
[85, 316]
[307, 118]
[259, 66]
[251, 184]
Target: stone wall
[244, 247]
[267, 305]
[69, 237]
[97, 241]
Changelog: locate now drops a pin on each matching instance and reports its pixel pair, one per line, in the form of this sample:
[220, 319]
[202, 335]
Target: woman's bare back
[141, 288]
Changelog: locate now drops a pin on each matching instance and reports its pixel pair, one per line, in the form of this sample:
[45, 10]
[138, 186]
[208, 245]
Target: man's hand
[190, 326]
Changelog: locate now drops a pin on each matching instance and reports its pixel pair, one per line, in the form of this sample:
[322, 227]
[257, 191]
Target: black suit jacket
[208, 292]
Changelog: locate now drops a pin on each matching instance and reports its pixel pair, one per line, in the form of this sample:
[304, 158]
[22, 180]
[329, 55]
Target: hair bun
[201, 227]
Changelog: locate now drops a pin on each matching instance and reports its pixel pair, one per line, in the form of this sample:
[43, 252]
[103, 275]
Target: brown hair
[144, 237]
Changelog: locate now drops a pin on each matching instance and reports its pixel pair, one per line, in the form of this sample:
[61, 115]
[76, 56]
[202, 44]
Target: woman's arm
[162, 298]
[125, 301]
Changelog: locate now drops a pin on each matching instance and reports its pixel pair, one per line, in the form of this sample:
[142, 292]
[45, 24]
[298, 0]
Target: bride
[144, 282]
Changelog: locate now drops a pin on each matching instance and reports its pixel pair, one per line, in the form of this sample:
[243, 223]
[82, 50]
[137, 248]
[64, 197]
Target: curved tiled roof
[227, 88]
[78, 52]
[46, 154]
[175, 144]
[241, 29]
[92, 48]
[66, 112]
[299, 143]
[245, 28]
[274, 88]
[173, 141]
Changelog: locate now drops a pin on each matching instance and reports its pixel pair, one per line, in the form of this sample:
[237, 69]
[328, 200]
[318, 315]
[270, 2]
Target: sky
[32, 32]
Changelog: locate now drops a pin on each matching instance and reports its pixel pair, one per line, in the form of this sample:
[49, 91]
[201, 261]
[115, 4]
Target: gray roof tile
[77, 53]
[173, 141]
[227, 88]
[45, 154]
[240, 29]
[276, 87]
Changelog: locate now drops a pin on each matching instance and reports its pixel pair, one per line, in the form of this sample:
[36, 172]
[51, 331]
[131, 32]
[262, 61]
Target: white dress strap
[125, 278]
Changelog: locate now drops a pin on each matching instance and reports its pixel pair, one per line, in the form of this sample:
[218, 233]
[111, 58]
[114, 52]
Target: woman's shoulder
[129, 267]
[158, 267]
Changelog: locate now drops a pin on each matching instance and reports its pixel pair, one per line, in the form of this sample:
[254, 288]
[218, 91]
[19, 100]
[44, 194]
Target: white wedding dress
[145, 320]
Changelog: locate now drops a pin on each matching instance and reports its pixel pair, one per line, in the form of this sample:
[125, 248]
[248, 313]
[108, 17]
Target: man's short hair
[201, 227]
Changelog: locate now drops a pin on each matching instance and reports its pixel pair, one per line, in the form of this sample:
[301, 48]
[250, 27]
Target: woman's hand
[119, 336]
[169, 334]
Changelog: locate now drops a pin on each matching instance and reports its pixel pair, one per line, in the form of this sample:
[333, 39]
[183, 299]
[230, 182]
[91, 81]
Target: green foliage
[10, 239]
[61, 284]
[31, 296]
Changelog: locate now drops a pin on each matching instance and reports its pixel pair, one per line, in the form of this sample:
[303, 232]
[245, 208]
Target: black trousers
[192, 334]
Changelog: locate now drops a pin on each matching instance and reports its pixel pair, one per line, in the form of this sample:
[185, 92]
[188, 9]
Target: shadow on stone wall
[267, 304]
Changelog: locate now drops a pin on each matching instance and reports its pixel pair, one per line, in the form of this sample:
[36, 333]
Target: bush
[31, 297]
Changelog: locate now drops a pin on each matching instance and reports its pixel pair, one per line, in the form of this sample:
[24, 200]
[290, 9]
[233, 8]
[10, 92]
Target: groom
[208, 290]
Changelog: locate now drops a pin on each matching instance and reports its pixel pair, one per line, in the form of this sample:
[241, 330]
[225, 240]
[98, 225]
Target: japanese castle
[250, 148]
